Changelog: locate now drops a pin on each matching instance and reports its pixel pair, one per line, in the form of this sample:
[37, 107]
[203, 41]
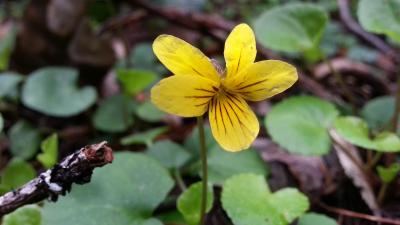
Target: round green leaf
[17, 173]
[248, 201]
[388, 174]
[146, 137]
[149, 112]
[168, 153]
[124, 193]
[49, 156]
[355, 131]
[380, 17]
[25, 139]
[300, 124]
[189, 203]
[114, 115]
[27, 215]
[292, 28]
[134, 81]
[8, 83]
[379, 111]
[222, 164]
[53, 91]
[315, 219]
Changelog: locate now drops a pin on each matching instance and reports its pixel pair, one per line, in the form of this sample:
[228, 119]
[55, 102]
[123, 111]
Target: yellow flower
[197, 86]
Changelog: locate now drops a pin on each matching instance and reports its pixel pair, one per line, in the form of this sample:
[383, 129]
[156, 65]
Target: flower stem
[179, 180]
[382, 193]
[203, 156]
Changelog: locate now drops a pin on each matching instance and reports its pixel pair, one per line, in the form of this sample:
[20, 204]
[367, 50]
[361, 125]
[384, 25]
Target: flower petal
[240, 49]
[186, 96]
[181, 58]
[233, 123]
[262, 80]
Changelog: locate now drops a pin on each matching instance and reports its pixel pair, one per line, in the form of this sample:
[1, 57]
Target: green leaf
[189, 203]
[8, 83]
[248, 201]
[379, 111]
[49, 156]
[388, 174]
[25, 140]
[1, 123]
[146, 137]
[124, 193]
[6, 48]
[293, 27]
[134, 81]
[315, 219]
[27, 215]
[355, 131]
[300, 124]
[17, 173]
[53, 91]
[149, 112]
[380, 17]
[290, 203]
[169, 154]
[114, 115]
[223, 165]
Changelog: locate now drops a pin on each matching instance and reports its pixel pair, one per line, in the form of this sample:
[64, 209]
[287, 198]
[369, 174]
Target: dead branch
[75, 168]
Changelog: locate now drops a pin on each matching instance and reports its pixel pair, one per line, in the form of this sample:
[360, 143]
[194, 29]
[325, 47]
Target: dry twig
[75, 168]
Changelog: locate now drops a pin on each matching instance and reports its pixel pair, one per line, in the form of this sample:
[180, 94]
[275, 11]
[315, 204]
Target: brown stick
[353, 214]
[75, 168]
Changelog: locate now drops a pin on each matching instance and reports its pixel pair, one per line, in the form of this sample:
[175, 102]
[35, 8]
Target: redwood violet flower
[197, 86]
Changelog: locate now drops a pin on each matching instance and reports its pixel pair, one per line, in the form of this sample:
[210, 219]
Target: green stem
[203, 156]
[374, 160]
[382, 193]
[179, 180]
[339, 78]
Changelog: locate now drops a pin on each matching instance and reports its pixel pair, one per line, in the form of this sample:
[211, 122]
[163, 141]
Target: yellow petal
[233, 123]
[262, 80]
[240, 49]
[181, 58]
[186, 96]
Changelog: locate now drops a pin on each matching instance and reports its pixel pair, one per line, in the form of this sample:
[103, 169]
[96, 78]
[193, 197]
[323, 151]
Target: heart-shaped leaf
[114, 115]
[133, 81]
[355, 131]
[53, 91]
[49, 156]
[300, 124]
[149, 112]
[170, 154]
[248, 201]
[25, 140]
[124, 193]
[315, 219]
[388, 174]
[223, 165]
[16, 174]
[379, 111]
[292, 28]
[380, 17]
[146, 137]
[189, 203]
[8, 83]
[27, 215]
